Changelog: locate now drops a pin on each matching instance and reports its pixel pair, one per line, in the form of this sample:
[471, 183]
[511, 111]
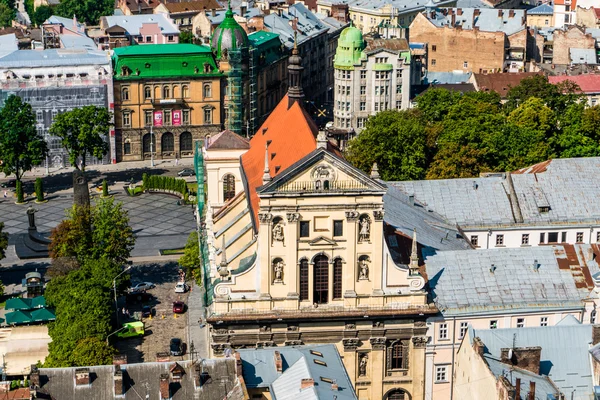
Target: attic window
[326, 380]
[544, 209]
[319, 362]
[316, 353]
[147, 65]
[184, 64]
[277, 168]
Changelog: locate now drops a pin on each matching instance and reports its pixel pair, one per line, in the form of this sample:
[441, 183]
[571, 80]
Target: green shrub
[145, 181]
[19, 189]
[104, 188]
[39, 189]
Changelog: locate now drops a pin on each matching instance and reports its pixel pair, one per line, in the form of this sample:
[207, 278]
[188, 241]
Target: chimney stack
[34, 376]
[197, 377]
[459, 11]
[82, 377]
[243, 9]
[518, 389]
[278, 362]
[214, 12]
[120, 359]
[118, 381]
[162, 357]
[476, 12]
[307, 383]
[595, 334]
[164, 387]
[500, 13]
[531, 391]
[478, 346]
[511, 13]
[523, 357]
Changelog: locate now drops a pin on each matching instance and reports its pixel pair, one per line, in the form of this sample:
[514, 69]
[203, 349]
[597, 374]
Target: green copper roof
[228, 35]
[153, 61]
[259, 38]
[349, 52]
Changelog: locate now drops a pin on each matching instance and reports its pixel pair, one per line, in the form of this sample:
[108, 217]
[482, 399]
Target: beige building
[541, 16]
[298, 256]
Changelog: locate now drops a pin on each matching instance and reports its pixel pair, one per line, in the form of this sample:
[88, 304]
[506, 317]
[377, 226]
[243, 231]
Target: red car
[178, 307]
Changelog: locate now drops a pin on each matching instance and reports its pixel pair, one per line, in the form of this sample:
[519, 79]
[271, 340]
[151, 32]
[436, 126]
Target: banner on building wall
[158, 118]
[176, 117]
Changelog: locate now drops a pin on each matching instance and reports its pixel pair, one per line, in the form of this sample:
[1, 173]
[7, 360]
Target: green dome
[228, 35]
[349, 52]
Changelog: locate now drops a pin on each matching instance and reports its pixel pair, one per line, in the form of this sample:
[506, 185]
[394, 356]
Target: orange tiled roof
[292, 133]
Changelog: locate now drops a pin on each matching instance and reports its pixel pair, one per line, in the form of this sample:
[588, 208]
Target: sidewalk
[197, 327]
[122, 166]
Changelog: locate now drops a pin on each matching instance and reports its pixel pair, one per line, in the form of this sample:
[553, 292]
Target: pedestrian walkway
[197, 327]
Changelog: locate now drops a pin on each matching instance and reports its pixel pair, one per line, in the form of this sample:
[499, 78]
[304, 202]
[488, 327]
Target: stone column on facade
[264, 251]
[349, 282]
[378, 368]
[417, 361]
[429, 372]
[377, 254]
[292, 267]
[350, 359]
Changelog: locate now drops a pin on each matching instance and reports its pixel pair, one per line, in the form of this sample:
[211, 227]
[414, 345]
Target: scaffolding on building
[253, 89]
[235, 91]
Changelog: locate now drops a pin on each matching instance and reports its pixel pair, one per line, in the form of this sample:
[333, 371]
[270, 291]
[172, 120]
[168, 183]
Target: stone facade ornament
[260, 345]
[221, 331]
[377, 343]
[265, 329]
[364, 234]
[293, 343]
[419, 341]
[363, 268]
[293, 217]
[350, 326]
[362, 364]
[219, 348]
[350, 344]
[378, 215]
[352, 216]
[293, 328]
[278, 270]
[378, 324]
[278, 235]
[265, 218]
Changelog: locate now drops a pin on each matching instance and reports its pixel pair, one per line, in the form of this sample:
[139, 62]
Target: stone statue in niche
[278, 232]
[363, 273]
[364, 233]
[278, 271]
[362, 365]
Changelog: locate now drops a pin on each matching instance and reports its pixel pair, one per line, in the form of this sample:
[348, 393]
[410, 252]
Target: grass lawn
[169, 252]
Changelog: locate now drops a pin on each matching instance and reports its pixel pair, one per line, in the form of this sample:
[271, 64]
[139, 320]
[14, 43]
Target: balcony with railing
[322, 186]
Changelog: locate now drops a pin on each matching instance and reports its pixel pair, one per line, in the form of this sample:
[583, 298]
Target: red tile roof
[292, 133]
[588, 83]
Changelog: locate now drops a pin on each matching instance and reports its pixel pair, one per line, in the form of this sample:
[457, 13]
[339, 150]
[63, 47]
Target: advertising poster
[158, 118]
[176, 117]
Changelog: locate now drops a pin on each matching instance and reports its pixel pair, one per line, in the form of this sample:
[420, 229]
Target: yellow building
[299, 257]
[166, 98]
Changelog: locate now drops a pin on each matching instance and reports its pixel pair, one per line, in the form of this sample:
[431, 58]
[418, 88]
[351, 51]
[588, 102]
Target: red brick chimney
[500, 13]
[523, 357]
[531, 391]
[120, 359]
[518, 389]
[82, 377]
[34, 376]
[478, 346]
[118, 381]
[307, 383]
[511, 13]
[164, 387]
[459, 11]
[278, 362]
[595, 334]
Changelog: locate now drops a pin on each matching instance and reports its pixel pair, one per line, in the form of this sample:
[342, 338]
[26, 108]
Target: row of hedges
[165, 183]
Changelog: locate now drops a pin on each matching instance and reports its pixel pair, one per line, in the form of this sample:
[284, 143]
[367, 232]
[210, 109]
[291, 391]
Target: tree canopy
[21, 146]
[41, 14]
[191, 257]
[87, 11]
[83, 131]
[7, 14]
[453, 135]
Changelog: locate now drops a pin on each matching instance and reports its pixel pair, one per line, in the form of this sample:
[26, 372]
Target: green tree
[112, 236]
[190, 260]
[3, 246]
[93, 351]
[7, 15]
[186, 37]
[557, 97]
[41, 14]
[579, 135]
[21, 146]
[435, 103]
[104, 188]
[72, 238]
[88, 11]
[83, 131]
[39, 189]
[395, 140]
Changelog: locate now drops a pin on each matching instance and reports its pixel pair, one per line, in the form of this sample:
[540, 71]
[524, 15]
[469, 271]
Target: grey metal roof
[76, 41]
[142, 379]
[220, 14]
[133, 23]
[8, 43]
[400, 6]
[488, 20]
[567, 365]
[446, 77]
[298, 362]
[461, 282]
[53, 58]
[432, 230]
[543, 9]
[568, 185]
[583, 56]
[595, 32]
[308, 24]
[472, 4]
[543, 386]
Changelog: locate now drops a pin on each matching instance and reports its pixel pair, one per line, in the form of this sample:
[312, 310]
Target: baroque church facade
[298, 255]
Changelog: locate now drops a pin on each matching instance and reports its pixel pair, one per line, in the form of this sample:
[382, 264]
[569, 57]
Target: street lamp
[115, 290]
[110, 334]
[152, 142]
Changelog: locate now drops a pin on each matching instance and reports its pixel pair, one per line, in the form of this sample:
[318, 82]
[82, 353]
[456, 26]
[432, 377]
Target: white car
[181, 288]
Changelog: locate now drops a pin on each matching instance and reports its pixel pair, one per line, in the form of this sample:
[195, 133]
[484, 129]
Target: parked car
[186, 172]
[131, 329]
[146, 311]
[138, 297]
[181, 287]
[141, 287]
[9, 184]
[176, 347]
[178, 307]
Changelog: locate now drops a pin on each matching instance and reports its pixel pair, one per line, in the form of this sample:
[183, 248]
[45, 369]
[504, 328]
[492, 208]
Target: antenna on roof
[492, 268]
[536, 265]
